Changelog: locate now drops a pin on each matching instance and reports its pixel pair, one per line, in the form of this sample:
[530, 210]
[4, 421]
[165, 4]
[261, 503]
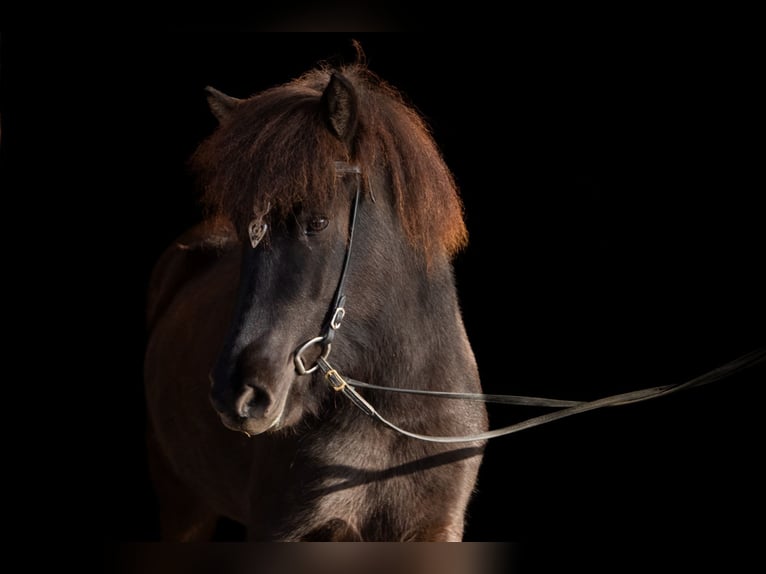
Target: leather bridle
[347, 386]
[337, 309]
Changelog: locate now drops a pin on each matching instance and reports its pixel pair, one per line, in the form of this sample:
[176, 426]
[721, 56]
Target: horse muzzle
[252, 410]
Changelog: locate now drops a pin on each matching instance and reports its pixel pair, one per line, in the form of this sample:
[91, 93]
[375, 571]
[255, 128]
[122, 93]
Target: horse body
[227, 315]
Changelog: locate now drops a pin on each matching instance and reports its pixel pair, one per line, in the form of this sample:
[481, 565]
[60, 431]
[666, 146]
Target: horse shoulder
[193, 252]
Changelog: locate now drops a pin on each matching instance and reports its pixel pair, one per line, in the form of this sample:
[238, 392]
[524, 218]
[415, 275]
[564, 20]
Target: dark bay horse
[241, 307]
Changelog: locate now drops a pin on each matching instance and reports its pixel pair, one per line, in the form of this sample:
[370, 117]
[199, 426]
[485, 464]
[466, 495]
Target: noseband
[566, 408]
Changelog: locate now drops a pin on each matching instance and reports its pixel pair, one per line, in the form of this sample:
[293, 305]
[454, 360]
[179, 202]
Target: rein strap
[346, 386]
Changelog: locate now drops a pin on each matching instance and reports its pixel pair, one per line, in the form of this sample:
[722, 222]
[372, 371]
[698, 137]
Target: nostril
[253, 403]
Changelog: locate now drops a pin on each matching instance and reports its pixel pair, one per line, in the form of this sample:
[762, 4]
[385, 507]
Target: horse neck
[417, 338]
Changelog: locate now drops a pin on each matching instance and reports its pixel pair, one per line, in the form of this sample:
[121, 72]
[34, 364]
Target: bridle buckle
[337, 317]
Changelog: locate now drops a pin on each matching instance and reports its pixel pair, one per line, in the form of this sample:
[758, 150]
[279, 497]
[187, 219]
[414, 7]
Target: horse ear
[220, 104]
[340, 108]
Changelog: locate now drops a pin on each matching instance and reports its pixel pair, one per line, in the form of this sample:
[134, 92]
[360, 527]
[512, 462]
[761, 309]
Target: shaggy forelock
[275, 150]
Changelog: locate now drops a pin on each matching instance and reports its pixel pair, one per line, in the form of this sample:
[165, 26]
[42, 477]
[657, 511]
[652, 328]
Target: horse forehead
[281, 205]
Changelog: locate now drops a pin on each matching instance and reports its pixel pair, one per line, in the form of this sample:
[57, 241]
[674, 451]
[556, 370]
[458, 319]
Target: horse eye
[316, 224]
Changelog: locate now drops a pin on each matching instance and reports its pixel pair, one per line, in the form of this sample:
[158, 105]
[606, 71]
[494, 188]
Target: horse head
[291, 262]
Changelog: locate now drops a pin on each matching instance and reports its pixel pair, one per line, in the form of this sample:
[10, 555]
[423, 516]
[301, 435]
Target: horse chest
[379, 491]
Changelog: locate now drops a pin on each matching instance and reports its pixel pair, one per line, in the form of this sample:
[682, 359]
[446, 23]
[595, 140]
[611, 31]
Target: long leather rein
[347, 386]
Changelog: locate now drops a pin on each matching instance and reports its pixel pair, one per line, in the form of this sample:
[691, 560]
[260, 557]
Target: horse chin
[251, 426]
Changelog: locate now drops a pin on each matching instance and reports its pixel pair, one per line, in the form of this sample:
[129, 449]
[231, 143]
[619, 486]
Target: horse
[330, 227]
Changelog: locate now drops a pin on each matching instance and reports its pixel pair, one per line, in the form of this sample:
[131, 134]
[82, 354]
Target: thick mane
[276, 150]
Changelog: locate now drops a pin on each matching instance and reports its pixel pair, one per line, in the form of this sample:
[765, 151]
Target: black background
[613, 197]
